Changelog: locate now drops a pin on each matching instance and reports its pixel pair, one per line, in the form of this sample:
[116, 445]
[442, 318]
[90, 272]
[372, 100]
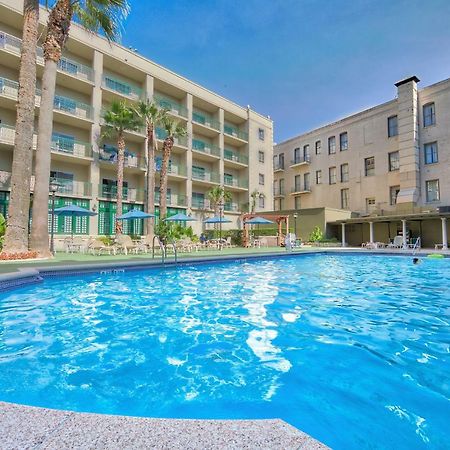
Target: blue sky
[302, 62]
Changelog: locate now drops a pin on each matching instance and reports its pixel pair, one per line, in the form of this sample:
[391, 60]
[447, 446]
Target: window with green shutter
[66, 224]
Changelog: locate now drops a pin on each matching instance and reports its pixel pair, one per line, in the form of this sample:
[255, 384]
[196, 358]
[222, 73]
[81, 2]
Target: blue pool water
[354, 350]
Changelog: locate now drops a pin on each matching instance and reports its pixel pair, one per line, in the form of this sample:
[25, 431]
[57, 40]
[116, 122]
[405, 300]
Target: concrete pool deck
[26, 427]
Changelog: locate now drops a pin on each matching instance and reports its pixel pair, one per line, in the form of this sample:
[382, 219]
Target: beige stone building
[382, 165]
[226, 144]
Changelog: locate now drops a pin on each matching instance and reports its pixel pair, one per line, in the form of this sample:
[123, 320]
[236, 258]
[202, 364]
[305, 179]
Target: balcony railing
[201, 203]
[230, 155]
[129, 194]
[13, 44]
[301, 160]
[235, 182]
[234, 207]
[9, 88]
[301, 188]
[278, 166]
[212, 177]
[171, 105]
[205, 119]
[7, 134]
[161, 134]
[205, 147]
[73, 188]
[130, 161]
[175, 169]
[121, 87]
[277, 191]
[231, 130]
[172, 199]
[69, 145]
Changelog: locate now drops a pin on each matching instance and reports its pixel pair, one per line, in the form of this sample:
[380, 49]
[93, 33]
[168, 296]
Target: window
[370, 204]
[393, 193]
[369, 166]
[392, 126]
[332, 175]
[261, 179]
[432, 190]
[343, 141]
[198, 200]
[65, 181]
[431, 153]
[65, 104]
[117, 86]
[63, 142]
[331, 145]
[261, 134]
[394, 161]
[318, 177]
[344, 173]
[297, 202]
[297, 158]
[344, 198]
[307, 181]
[261, 201]
[261, 156]
[198, 172]
[228, 179]
[68, 66]
[109, 188]
[281, 186]
[281, 204]
[318, 147]
[306, 152]
[281, 160]
[297, 183]
[429, 115]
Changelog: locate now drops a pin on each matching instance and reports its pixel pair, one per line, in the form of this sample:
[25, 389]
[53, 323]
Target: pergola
[279, 220]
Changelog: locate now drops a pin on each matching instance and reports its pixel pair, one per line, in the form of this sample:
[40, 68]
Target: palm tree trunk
[167, 149]
[39, 226]
[16, 238]
[150, 177]
[120, 164]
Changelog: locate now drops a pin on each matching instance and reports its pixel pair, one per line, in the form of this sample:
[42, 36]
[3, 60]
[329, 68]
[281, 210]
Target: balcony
[301, 189]
[205, 120]
[235, 207]
[161, 134]
[108, 154]
[121, 87]
[235, 132]
[235, 182]
[206, 176]
[80, 71]
[278, 192]
[109, 192]
[278, 167]
[70, 146]
[177, 170]
[300, 161]
[172, 106]
[199, 203]
[7, 134]
[73, 188]
[205, 147]
[230, 155]
[172, 199]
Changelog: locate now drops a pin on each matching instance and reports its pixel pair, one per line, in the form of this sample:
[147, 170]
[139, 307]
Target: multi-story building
[225, 145]
[387, 160]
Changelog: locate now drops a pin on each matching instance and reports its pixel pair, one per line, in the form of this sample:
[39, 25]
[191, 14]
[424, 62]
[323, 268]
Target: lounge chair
[396, 243]
[125, 243]
[95, 246]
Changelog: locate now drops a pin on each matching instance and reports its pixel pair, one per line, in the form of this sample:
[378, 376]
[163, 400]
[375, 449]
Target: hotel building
[226, 144]
[382, 172]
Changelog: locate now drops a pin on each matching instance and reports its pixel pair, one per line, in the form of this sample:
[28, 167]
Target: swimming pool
[352, 349]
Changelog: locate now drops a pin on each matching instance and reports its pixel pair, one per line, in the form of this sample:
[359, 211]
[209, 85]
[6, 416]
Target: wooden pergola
[278, 219]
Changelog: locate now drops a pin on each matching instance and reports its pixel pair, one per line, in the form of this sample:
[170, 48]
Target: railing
[205, 119]
[231, 130]
[230, 155]
[235, 182]
[301, 160]
[212, 177]
[68, 145]
[234, 207]
[75, 188]
[175, 169]
[73, 107]
[131, 161]
[7, 134]
[9, 88]
[416, 246]
[121, 87]
[277, 191]
[13, 44]
[5, 180]
[130, 194]
[301, 188]
[172, 199]
[201, 204]
[205, 147]
[161, 134]
[172, 106]
[278, 166]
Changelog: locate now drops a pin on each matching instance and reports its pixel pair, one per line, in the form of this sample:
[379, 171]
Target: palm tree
[151, 115]
[173, 130]
[94, 15]
[120, 117]
[254, 196]
[16, 238]
[218, 195]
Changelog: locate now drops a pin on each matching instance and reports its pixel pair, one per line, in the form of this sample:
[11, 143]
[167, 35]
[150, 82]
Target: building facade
[390, 159]
[225, 145]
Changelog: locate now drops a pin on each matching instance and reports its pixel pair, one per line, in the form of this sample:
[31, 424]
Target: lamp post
[221, 209]
[295, 224]
[53, 188]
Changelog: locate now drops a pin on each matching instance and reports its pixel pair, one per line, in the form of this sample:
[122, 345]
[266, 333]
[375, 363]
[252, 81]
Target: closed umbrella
[73, 211]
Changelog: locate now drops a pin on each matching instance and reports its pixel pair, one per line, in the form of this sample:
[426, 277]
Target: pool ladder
[163, 249]
[416, 246]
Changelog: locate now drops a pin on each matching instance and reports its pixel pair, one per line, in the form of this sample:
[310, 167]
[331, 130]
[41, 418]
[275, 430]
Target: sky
[303, 62]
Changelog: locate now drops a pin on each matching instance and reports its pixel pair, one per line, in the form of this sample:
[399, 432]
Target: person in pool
[416, 261]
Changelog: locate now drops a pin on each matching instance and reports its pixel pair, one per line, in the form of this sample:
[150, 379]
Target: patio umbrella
[258, 221]
[219, 220]
[135, 214]
[180, 217]
[73, 211]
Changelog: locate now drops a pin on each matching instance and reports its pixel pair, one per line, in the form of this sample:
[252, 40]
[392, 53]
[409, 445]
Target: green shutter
[68, 225]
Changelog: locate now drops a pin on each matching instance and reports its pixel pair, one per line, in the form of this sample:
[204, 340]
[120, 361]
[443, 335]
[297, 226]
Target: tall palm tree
[217, 195]
[120, 117]
[94, 15]
[16, 239]
[173, 130]
[151, 115]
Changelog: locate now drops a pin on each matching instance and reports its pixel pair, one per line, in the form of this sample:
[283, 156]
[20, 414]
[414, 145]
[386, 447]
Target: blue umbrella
[180, 217]
[73, 211]
[135, 214]
[217, 220]
[258, 221]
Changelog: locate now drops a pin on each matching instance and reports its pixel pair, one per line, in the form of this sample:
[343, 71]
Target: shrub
[2, 230]
[316, 235]
[107, 240]
[12, 256]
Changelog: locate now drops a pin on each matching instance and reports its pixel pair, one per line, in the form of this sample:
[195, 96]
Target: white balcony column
[148, 87]
[221, 145]
[188, 160]
[344, 244]
[371, 230]
[444, 233]
[405, 242]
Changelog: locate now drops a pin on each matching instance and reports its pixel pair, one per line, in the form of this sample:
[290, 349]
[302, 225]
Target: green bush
[316, 235]
[2, 230]
[107, 240]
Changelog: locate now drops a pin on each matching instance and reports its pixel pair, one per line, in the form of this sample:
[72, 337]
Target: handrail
[163, 251]
[416, 246]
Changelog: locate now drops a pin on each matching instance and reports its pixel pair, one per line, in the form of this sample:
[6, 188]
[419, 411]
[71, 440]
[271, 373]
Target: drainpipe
[405, 243]
[444, 233]
[343, 235]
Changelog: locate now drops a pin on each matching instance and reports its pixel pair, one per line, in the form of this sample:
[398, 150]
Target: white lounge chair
[397, 242]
